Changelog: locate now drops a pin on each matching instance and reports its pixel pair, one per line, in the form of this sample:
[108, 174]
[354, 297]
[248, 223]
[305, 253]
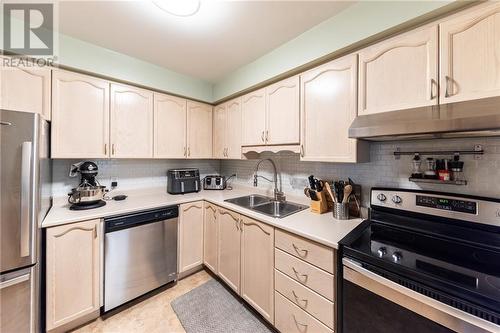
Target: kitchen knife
[312, 184]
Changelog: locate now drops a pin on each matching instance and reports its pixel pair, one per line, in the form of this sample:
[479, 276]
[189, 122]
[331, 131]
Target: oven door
[371, 303]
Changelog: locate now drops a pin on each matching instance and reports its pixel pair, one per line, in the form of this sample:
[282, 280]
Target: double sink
[267, 206]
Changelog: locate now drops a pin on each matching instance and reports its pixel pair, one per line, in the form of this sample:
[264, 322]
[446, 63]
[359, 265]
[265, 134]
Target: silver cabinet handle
[299, 324]
[433, 84]
[262, 137]
[296, 248]
[301, 150]
[14, 281]
[298, 275]
[447, 84]
[185, 152]
[112, 149]
[105, 149]
[267, 136]
[297, 300]
[6, 123]
[25, 198]
[189, 151]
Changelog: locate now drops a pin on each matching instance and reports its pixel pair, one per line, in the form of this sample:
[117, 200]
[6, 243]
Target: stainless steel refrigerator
[25, 198]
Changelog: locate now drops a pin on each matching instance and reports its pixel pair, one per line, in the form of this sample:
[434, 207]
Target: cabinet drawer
[309, 301]
[289, 318]
[316, 254]
[306, 274]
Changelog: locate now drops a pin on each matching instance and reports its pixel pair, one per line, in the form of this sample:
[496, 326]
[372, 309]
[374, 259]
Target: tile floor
[151, 315]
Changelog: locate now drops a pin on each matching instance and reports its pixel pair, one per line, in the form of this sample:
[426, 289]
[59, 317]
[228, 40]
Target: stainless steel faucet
[278, 194]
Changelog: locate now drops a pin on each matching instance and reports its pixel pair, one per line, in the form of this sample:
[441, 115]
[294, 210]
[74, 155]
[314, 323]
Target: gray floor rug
[210, 308]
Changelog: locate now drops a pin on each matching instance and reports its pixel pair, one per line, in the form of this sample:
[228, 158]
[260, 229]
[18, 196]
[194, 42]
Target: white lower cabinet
[190, 236]
[257, 261]
[73, 283]
[228, 253]
[210, 235]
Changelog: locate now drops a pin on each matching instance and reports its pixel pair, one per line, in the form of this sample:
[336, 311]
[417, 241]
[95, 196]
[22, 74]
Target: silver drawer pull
[305, 276]
[14, 281]
[296, 248]
[304, 329]
[297, 300]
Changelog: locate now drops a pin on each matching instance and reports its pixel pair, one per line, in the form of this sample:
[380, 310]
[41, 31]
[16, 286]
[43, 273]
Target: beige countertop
[320, 228]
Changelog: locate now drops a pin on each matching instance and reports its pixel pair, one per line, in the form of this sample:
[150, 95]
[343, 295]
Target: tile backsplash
[483, 175]
[130, 174]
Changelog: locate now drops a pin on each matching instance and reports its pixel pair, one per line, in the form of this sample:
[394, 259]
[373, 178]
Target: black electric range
[443, 246]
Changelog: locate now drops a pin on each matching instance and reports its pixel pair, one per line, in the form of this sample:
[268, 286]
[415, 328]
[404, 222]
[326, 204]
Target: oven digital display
[461, 206]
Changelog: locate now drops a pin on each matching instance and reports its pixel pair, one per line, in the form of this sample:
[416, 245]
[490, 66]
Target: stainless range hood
[474, 118]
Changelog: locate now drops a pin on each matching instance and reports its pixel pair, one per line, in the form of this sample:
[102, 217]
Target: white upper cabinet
[227, 130]
[199, 130]
[283, 115]
[470, 54]
[253, 113]
[80, 116]
[25, 88]
[220, 133]
[399, 73]
[233, 136]
[131, 122]
[170, 117]
[328, 107]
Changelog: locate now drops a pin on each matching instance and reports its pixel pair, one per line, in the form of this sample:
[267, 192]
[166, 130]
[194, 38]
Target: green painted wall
[88, 57]
[357, 22]
[85, 56]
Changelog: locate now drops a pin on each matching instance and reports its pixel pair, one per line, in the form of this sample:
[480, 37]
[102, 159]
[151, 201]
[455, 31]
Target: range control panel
[462, 206]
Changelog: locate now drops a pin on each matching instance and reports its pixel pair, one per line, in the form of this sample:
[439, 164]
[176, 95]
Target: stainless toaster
[214, 182]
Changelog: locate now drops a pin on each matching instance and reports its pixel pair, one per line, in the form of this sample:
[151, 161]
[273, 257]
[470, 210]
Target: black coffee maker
[89, 193]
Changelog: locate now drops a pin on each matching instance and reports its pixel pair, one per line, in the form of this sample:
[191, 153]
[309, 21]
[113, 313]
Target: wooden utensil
[347, 193]
[329, 189]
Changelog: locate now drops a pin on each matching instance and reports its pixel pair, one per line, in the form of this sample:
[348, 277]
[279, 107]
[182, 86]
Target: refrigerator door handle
[25, 198]
[14, 281]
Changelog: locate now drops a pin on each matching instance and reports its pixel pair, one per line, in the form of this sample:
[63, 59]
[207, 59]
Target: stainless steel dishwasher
[140, 254]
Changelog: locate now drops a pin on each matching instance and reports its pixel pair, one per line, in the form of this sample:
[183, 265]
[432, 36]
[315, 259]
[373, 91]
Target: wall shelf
[438, 181]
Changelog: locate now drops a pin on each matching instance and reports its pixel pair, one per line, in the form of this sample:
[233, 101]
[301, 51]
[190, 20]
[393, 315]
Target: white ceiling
[221, 37]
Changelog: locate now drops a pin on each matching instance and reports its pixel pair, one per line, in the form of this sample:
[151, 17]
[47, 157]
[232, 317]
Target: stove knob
[397, 256]
[381, 197]
[382, 252]
[397, 199]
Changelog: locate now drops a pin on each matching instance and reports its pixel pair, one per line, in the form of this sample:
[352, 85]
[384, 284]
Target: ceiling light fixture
[182, 8]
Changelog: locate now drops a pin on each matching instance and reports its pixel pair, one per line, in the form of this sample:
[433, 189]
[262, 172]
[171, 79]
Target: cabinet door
[199, 130]
[131, 122]
[210, 237]
[283, 115]
[25, 88]
[80, 116]
[233, 129]
[399, 73]
[470, 54]
[229, 248]
[328, 107]
[169, 126]
[257, 266]
[190, 236]
[253, 113]
[73, 269]
[220, 131]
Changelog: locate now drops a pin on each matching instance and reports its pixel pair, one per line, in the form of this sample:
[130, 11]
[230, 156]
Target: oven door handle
[427, 307]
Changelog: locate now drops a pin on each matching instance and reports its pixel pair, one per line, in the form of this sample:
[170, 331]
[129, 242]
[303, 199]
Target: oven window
[364, 311]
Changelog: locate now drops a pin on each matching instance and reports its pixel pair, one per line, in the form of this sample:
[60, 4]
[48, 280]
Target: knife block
[323, 204]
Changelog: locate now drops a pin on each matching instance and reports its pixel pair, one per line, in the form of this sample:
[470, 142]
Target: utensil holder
[341, 211]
